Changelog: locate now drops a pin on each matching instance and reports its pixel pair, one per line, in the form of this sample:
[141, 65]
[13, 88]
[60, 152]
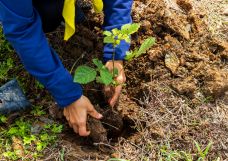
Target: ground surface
[175, 97]
[216, 16]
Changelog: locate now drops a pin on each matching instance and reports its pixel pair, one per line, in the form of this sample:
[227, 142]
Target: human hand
[76, 115]
[113, 92]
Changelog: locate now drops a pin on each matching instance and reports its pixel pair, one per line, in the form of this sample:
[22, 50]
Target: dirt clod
[216, 82]
[172, 62]
[185, 5]
[186, 87]
[98, 132]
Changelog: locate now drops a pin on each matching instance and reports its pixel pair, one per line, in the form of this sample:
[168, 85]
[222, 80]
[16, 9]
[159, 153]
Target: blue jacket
[23, 29]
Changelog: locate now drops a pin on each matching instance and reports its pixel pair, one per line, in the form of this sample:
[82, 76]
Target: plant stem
[72, 68]
[113, 60]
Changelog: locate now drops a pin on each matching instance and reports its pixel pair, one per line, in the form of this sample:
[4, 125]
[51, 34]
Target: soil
[172, 91]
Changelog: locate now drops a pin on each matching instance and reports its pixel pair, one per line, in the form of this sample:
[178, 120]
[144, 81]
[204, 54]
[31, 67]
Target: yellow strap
[69, 15]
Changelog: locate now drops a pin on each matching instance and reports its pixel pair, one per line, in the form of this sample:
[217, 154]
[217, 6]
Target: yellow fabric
[69, 15]
[98, 5]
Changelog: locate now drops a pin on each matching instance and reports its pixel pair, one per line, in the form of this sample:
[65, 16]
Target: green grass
[6, 61]
[19, 141]
[5, 47]
[167, 154]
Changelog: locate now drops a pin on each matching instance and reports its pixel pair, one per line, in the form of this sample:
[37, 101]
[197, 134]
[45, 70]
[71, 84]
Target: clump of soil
[110, 126]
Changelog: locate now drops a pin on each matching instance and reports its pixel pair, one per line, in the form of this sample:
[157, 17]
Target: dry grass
[215, 16]
[167, 124]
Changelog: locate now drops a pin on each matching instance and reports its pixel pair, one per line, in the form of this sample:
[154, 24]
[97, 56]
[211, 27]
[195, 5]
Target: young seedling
[115, 37]
[85, 74]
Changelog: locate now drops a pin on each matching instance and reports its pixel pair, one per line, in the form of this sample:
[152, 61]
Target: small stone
[115, 155]
[146, 25]
[36, 129]
[46, 120]
[172, 62]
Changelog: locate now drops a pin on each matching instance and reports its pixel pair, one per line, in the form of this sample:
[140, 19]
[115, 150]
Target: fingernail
[88, 133]
[100, 116]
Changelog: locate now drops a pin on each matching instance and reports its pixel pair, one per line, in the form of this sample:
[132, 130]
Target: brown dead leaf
[18, 147]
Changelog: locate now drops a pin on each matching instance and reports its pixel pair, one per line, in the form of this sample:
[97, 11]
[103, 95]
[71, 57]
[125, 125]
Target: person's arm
[117, 13]
[23, 29]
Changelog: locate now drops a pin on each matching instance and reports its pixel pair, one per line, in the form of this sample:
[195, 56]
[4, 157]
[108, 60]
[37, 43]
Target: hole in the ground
[115, 125]
[128, 129]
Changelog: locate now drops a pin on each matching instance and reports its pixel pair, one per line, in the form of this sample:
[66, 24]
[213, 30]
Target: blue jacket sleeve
[117, 13]
[22, 27]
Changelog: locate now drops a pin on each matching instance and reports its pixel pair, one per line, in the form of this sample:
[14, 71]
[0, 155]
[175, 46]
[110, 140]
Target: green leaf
[207, 150]
[129, 55]
[41, 145]
[130, 28]
[142, 50]
[3, 119]
[198, 148]
[28, 139]
[128, 40]
[98, 63]
[44, 137]
[117, 42]
[109, 39]
[99, 80]
[84, 74]
[12, 131]
[147, 44]
[57, 128]
[107, 33]
[115, 32]
[106, 76]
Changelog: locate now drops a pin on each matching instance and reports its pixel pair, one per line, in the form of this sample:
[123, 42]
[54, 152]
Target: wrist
[75, 101]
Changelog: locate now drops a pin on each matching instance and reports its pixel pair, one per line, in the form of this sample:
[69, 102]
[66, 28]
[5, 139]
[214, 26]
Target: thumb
[94, 113]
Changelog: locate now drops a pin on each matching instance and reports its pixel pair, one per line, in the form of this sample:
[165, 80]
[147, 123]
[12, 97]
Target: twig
[110, 125]
[72, 68]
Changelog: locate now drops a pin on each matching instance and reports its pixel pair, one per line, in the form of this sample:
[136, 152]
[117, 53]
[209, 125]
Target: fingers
[79, 126]
[121, 78]
[92, 112]
[112, 93]
[82, 129]
[70, 124]
[115, 96]
[81, 122]
[65, 113]
[108, 92]
[74, 127]
[76, 115]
